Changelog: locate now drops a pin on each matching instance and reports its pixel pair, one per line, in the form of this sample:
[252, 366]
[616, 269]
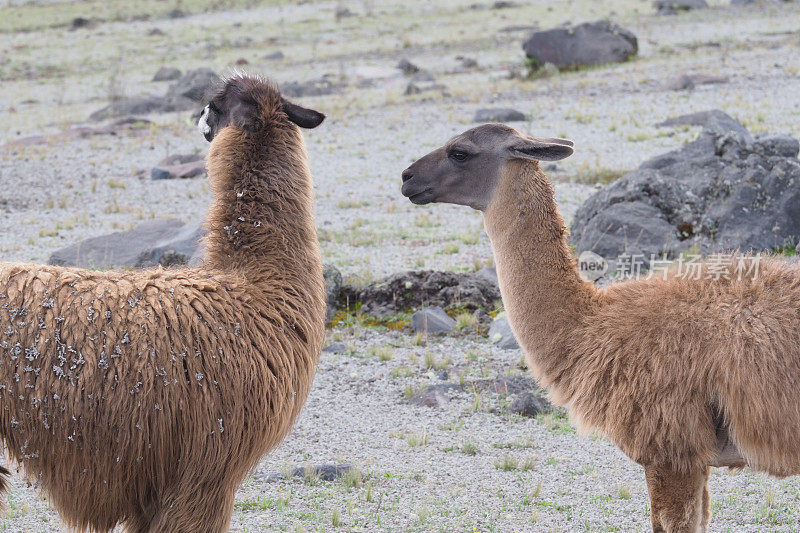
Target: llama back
[112, 382]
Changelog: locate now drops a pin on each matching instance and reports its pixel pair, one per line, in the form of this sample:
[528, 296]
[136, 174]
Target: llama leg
[678, 501]
[194, 513]
[706, 505]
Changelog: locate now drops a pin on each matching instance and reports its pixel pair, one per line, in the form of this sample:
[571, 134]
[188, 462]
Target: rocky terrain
[407, 428]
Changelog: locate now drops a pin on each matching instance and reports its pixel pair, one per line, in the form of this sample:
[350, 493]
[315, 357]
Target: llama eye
[459, 155]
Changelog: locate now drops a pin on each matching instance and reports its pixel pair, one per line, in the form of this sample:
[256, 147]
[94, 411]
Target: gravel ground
[414, 473]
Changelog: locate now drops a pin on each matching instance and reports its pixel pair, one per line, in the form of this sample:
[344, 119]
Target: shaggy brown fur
[664, 367]
[145, 397]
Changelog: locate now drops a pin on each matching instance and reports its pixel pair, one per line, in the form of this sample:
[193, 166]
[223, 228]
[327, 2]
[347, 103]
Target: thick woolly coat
[145, 397]
[661, 366]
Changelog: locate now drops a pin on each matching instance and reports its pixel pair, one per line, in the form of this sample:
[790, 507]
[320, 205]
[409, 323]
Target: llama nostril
[407, 175]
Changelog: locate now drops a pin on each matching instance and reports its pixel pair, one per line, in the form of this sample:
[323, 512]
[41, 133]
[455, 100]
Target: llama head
[254, 105]
[467, 169]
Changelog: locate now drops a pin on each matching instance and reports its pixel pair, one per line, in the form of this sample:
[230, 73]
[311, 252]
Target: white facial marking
[202, 124]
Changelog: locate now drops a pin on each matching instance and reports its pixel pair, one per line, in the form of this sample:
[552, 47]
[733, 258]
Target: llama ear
[305, 118]
[542, 149]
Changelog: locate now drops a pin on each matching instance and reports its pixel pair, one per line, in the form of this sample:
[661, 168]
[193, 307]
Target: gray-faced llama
[682, 374]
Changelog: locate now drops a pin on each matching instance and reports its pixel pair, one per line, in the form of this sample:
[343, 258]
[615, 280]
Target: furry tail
[4, 473]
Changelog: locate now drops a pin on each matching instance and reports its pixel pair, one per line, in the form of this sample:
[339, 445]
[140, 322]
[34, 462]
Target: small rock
[705, 79]
[683, 82]
[504, 4]
[160, 173]
[193, 85]
[179, 159]
[323, 472]
[333, 285]
[335, 347]
[507, 384]
[242, 61]
[185, 170]
[529, 404]
[176, 14]
[498, 115]
[426, 83]
[467, 62]
[442, 375]
[142, 105]
[741, 2]
[488, 273]
[432, 320]
[156, 32]
[435, 395]
[713, 120]
[518, 27]
[668, 7]
[342, 12]
[318, 87]
[407, 67]
[274, 55]
[500, 333]
[689, 81]
[81, 22]
[167, 74]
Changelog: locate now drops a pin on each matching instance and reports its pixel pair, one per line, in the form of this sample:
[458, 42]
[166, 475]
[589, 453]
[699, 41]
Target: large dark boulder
[166, 242]
[591, 43]
[723, 191]
[411, 290]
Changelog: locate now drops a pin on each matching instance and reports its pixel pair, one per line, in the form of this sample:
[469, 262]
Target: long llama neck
[544, 297]
[261, 221]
